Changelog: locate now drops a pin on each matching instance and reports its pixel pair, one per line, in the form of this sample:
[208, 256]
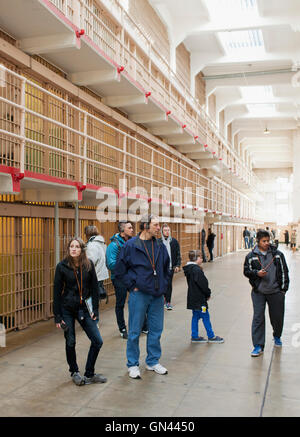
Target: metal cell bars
[103, 146]
[10, 118]
[7, 273]
[102, 31]
[119, 45]
[31, 294]
[82, 133]
[65, 6]
[140, 62]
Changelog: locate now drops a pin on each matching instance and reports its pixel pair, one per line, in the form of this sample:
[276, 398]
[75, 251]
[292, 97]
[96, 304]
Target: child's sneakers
[216, 339]
[198, 340]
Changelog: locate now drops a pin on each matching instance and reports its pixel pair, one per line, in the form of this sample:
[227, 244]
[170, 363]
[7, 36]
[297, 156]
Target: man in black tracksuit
[173, 249]
[268, 274]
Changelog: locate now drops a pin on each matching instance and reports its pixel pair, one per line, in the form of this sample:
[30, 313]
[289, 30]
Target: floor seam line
[266, 385]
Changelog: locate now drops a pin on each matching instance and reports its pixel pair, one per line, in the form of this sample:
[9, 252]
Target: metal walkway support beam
[56, 229]
[76, 220]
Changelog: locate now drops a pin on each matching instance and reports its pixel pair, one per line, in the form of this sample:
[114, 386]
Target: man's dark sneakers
[95, 379]
[257, 351]
[277, 342]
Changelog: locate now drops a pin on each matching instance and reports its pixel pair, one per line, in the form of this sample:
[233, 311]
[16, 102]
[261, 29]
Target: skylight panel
[227, 8]
[257, 93]
[242, 40]
[261, 108]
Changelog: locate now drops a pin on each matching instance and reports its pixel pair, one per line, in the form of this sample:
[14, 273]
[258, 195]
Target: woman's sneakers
[77, 378]
[95, 379]
[124, 334]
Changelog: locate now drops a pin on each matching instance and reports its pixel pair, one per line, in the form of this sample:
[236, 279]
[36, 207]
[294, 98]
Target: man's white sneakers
[158, 368]
[134, 372]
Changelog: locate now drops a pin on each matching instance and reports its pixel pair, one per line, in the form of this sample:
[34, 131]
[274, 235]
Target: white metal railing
[76, 143]
[164, 65]
[113, 43]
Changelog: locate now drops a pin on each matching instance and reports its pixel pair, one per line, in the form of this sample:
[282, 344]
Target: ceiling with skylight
[249, 54]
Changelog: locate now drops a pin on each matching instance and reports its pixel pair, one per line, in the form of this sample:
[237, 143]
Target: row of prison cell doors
[27, 261]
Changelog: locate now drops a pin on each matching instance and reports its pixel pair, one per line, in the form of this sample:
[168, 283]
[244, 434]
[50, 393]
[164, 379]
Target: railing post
[122, 51]
[22, 126]
[77, 220]
[85, 149]
[20, 322]
[77, 13]
[46, 262]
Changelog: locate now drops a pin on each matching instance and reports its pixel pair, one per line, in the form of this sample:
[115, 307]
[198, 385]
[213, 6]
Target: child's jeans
[198, 314]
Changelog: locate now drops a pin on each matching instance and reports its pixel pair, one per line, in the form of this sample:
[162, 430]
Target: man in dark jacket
[197, 297]
[117, 242]
[203, 236]
[143, 267]
[268, 274]
[173, 250]
[246, 236]
[211, 244]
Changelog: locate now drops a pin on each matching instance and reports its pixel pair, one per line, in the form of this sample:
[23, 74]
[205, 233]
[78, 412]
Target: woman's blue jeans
[197, 315]
[92, 331]
[140, 305]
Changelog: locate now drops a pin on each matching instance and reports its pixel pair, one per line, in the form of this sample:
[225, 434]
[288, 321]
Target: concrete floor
[220, 380]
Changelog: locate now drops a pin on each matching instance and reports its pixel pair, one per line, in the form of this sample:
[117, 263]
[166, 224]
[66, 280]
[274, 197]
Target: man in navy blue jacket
[143, 267]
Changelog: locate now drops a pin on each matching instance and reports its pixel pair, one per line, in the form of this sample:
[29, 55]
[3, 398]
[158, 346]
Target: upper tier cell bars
[44, 131]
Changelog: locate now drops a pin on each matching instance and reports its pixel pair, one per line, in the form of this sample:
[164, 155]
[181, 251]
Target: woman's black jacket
[198, 290]
[66, 292]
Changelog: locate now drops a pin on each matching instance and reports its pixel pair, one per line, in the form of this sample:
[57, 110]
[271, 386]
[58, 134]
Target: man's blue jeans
[91, 329]
[197, 315]
[139, 305]
[246, 241]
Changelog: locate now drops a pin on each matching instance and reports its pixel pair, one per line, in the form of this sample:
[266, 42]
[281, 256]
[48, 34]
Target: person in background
[198, 295]
[173, 249]
[252, 237]
[144, 268]
[210, 242]
[268, 274]
[270, 233]
[203, 236]
[118, 240]
[96, 252]
[293, 239]
[286, 237]
[75, 281]
[246, 236]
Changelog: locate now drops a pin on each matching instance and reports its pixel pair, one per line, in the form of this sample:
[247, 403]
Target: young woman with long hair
[75, 281]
